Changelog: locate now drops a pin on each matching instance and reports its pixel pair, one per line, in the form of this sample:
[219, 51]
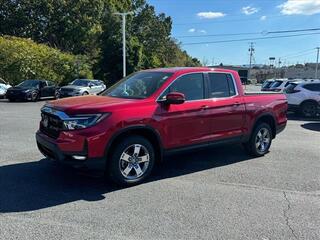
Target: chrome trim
[52, 111]
[206, 72]
[65, 117]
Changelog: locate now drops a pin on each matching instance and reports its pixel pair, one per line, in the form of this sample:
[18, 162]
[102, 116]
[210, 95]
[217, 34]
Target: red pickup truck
[130, 126]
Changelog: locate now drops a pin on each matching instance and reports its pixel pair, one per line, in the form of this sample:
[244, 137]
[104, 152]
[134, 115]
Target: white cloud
[248, 10]
[302, 7]
[191, 30]
[203, 31]
[210, 15]
[263, 18]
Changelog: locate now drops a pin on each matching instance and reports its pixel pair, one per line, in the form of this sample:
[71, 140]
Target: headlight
[26, 91]
[83, 121]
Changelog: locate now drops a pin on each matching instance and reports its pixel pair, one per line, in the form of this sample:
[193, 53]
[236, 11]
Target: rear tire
[34, 96]
[309, 109]
[131, 162]
[260, 140]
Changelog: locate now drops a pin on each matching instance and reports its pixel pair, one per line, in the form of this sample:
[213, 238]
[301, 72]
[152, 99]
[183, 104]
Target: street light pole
[124, 39]
[316, 75]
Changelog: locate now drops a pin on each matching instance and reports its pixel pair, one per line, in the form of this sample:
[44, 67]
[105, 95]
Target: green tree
[22, 59]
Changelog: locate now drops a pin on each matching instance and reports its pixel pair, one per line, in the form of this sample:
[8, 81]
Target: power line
[250, 39]
[299, 55]
[224, 21]
[218, 35]
[293, 54]
[250, 33]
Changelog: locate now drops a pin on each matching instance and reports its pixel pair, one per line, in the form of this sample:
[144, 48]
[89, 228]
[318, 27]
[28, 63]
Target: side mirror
[90, 85]
[175, 98]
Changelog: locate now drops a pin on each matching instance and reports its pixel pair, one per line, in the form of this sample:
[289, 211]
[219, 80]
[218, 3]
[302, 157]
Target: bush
[22, 59]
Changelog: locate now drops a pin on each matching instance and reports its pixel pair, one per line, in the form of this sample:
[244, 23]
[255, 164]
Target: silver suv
[80, 87]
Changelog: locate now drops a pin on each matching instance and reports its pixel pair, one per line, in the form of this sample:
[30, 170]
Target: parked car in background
[267, 84]
[279, 85]
[3, 88]
[80, 87]
[32, 90]
[129, 127]
[2, 92]
[304, 97]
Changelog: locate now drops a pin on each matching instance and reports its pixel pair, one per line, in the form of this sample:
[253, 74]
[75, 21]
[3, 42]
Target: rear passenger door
[187, 123]
[226, 108]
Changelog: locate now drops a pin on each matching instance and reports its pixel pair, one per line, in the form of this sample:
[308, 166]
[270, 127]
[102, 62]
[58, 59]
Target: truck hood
[89, 104]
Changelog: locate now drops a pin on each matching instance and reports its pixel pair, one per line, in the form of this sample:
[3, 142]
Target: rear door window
[221, 85]
[315, 87]
[290, 88]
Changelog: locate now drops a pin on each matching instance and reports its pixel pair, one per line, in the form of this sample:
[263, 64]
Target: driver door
[187, 123]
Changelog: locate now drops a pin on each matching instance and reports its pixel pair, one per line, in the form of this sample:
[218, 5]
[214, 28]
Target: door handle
[204, 107]
[236, 104]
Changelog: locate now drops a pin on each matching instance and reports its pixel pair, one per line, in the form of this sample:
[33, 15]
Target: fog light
[77, 157]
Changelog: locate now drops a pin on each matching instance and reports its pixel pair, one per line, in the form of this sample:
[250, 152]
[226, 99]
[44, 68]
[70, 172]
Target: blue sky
[207, 17]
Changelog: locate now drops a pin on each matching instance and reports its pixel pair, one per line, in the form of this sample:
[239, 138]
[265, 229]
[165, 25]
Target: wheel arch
[147, 132]
[308, 100]
[268, 118]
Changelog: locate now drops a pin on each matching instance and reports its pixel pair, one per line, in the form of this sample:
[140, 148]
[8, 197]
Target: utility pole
[279, 65]
[251, 52]
[124, 39]
[317, 64]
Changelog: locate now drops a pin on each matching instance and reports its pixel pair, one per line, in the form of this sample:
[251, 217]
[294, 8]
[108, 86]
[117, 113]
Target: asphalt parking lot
[219, 193]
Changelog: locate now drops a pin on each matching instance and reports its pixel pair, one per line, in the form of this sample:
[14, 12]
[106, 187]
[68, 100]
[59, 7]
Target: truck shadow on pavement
[42, 184]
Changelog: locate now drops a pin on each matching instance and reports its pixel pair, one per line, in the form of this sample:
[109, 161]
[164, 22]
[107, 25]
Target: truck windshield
[138, 85]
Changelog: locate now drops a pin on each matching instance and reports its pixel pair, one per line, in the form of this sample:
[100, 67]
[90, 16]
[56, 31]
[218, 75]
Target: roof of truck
[188, 69]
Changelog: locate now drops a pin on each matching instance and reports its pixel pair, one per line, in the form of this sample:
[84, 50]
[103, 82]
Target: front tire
[309, 109]
[85, 94]
[56, 95]
[260, 140]
[34, 96]
[132, 161]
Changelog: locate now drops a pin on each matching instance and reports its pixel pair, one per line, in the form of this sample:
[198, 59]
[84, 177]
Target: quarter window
[191, 85]
[315, 87]
[221, 85]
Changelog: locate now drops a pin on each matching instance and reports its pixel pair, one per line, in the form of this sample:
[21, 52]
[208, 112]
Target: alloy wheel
[134, 161]
[263, 139]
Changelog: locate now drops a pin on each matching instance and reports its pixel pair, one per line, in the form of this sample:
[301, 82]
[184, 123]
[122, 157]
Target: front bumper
[293, 108]
[18, 95]
[50, 149]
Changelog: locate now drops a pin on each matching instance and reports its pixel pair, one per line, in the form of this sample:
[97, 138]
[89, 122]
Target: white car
[80, 87]
[280, 84]
[3, 88]
[304, 96]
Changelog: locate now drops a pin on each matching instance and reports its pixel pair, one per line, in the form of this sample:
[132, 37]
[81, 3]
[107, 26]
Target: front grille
[50, 125]
[17, 94]
[66, 90]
